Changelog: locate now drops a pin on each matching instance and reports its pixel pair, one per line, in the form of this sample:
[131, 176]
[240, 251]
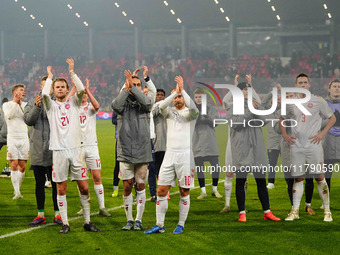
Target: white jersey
[180, 123]
[64, 118]
[88, 124]
[14, 116]
[308, 125]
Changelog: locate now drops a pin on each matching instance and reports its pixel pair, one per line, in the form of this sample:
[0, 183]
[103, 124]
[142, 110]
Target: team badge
[67, 106]
[86, 108]
[310, 105]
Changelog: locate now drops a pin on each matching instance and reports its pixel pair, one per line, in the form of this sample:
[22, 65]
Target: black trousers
[116, 170]
[39, 175]
[199, 162]
[273, 155]
[262, 191]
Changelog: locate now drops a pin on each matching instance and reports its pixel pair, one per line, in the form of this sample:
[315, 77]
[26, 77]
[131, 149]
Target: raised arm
[164, 105]
[193, 111]
[93, 101]
[47, 89]
[77, 82]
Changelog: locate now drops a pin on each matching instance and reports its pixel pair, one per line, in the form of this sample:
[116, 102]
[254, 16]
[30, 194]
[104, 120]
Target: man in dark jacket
[133, 148]
[41, 157]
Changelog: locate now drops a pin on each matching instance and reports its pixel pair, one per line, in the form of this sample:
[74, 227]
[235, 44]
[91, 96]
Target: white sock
[99, 189]
[41, 214]
[228, 185]
[214, 188]
[20, 177]
[297, 194]
[242, 212]
[115, 188]
[266, 211]
[141, 197]
[62, 205]
[324, 193]
[85, 204]
[203, 190]
[161, 208]
[15, 181]
[127, 200]
[184, 206]
[308, 204]
[56, 213]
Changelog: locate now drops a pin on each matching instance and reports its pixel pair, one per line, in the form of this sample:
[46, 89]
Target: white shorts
[129, 170]
[69, 161]
[18, 148]
[92, 157]
[306, 159]
[178, 164]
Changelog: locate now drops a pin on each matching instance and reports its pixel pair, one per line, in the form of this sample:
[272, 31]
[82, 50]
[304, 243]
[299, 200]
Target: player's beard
[179, 105]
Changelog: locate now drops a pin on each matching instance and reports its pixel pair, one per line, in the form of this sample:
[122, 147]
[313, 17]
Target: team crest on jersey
[86, 108]
[67, 106]
[310, 105]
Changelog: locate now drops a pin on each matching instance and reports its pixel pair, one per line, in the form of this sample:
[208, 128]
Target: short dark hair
[136, 77]
[333, 81]
[161, 90]
[301, 75]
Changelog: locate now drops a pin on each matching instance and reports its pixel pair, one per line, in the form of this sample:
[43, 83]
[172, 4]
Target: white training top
[63, 117]
[180, 123]
[152, 127]
[88, 124]
[308, 125]
[14, 116]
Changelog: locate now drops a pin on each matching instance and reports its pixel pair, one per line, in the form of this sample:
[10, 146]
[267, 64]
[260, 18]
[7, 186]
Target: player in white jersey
[305, 148]
[65, 142]
[17, 137]
[179, 159]
[88, 113]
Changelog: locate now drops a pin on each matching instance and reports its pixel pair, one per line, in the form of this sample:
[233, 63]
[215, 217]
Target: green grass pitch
[206, 230]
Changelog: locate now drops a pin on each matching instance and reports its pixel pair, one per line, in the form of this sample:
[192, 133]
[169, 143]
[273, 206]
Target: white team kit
[178, 159]
[88, 128]
[303, 151]
[17, 137]
[65, 138]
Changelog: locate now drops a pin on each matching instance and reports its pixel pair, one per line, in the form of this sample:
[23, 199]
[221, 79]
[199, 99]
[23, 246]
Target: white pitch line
[79, 217]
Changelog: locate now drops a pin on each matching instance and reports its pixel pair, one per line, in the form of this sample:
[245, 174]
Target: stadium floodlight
[329, 15]
[172, 12]
[179, 20]
[166, 3]
[278, 17]
[117, 5]
[124, 13]
[216, 2]
[227, 18]
[325, 6]
[222, 10]
[273, 8]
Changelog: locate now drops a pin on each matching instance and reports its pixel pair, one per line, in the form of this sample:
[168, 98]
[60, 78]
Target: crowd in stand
[106, 79]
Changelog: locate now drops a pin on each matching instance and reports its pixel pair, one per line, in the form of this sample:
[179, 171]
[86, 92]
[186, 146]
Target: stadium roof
[104, 15]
